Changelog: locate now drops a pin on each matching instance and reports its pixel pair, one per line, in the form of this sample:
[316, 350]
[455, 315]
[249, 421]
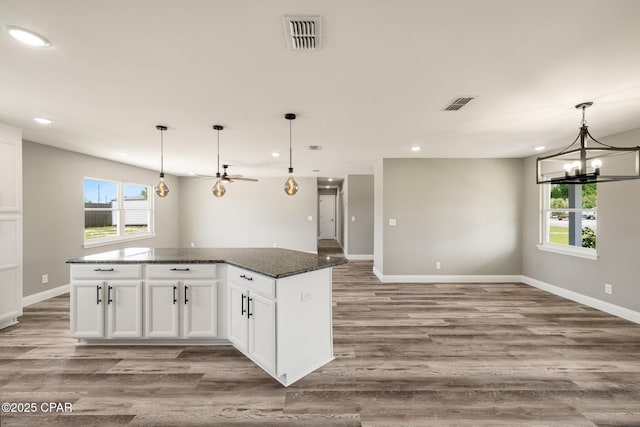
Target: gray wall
[360, 204]
[54, 210]
[253, 214]
[618, 241]
[464, 213]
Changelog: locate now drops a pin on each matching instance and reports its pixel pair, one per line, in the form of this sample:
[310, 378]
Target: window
[116, 211]
[569, 219]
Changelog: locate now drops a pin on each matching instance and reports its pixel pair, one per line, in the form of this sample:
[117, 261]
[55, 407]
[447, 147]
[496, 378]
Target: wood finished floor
[406, 354]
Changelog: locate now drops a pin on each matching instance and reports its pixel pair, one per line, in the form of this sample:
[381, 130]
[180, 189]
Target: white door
[262, 332]
[124, 300]
[162, 302]
[87, 309]
[327, 217]
[10, 225]
[238, 320]
[200, 309]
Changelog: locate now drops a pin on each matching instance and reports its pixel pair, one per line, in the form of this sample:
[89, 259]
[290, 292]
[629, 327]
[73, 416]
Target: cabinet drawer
[253, 281]
[182, 271]
[106, 271]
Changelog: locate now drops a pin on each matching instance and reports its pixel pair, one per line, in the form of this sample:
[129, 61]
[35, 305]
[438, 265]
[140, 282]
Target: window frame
[120, 210]
[543, 238]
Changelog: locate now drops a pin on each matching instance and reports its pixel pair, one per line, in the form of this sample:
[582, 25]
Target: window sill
[116, 240]
[569, 250]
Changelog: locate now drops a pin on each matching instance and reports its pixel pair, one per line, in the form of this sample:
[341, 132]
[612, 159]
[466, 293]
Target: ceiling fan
[230, 178]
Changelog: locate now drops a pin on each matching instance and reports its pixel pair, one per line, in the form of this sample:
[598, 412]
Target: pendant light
[218, 189]
[580, 163]
[161, 189]
[290, 186]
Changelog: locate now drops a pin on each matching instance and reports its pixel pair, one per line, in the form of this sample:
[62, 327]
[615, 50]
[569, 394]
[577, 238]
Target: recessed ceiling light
[275, 154]
[330, 179]
[192, 173]
[415, 148]
[25, 36]
[328, 186]
[42, 120]
[123, 154]
[540, 148]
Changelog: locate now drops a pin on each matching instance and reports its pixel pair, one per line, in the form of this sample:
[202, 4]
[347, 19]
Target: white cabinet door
[124, 300]
[87, 309]
[162, 302]
[238, 320]
[200, 298]
[262, 331]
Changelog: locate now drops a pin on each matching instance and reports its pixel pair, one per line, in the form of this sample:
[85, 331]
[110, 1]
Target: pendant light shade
[162, 189]
[290, 186]
[218, 189]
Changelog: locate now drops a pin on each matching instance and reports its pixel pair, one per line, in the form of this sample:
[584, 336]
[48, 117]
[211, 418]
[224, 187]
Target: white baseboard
[378, 274]
[44, 295]
[462, 278]
[607, 307]
[359, 257]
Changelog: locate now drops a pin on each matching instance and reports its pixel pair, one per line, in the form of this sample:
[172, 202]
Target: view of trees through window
[572, 215]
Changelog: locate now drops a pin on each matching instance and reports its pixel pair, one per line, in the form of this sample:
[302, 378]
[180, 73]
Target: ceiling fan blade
[246, 179]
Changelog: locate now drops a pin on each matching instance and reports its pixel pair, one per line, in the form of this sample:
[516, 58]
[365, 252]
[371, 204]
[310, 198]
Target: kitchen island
[272, 304]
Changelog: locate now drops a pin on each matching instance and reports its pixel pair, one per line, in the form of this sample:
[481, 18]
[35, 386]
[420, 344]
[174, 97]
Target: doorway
[327, 218]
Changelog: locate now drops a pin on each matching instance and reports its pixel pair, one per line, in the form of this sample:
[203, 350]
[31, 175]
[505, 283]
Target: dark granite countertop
[272, 262]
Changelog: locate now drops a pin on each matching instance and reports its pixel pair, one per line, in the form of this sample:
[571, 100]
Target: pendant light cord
[290, 150]
[162, 151]
[218, 151]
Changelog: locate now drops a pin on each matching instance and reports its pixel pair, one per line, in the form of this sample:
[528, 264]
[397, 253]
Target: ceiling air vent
[302, 32]
[315, 147]
[457, 104]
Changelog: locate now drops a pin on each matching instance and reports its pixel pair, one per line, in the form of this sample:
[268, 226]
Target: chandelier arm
[568, 146]
[595, 140]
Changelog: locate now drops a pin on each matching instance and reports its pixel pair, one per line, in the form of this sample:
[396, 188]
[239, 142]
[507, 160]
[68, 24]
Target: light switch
[353, 219]
[392, 222]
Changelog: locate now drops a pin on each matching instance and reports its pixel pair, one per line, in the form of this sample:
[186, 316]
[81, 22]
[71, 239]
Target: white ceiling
[116, 68]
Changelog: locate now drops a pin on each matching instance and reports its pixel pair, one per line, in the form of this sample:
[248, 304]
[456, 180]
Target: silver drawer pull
[246, 277]
[180, 269]
[103, 269]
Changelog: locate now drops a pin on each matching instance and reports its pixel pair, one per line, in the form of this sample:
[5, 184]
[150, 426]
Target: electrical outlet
[45, 279]
[310, 218]
[275, 244]
[392, 222]
[353, 219]
[608, 289]
[193, 245]
[438, 265]
[306, 296]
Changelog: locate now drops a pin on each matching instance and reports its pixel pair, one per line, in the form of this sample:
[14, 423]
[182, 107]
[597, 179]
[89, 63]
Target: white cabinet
[87, 310]
[10, 225]
[252, 316]
[162, 308]
[181, 301]
[99, 300]
[262, 331]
